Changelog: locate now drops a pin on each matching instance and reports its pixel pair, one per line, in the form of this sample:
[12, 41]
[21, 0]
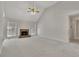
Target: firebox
[24, 33]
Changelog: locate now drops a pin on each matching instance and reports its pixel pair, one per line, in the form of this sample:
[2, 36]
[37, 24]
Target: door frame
[70, 29]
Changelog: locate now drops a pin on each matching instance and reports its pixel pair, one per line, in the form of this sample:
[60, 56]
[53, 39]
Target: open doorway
[74, 28]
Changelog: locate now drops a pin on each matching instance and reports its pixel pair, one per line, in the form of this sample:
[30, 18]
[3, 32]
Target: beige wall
[24, 25]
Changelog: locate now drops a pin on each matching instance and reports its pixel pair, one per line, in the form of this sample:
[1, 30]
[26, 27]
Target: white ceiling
[17, 9]
[66, 7]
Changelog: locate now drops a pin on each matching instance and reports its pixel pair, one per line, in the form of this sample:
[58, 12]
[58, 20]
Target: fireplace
[24, 33]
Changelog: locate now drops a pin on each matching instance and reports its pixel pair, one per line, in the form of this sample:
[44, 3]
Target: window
[12, 29]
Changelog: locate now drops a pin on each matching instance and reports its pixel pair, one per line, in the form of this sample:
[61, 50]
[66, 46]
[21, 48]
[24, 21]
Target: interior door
[74, 28]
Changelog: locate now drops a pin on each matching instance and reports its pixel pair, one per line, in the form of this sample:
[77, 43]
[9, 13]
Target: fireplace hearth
[24, 33]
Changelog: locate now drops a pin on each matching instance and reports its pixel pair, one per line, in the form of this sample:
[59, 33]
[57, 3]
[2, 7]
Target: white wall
[22, 24]
[54, 23]
[53, 26]
[2, 21]
[1, 31]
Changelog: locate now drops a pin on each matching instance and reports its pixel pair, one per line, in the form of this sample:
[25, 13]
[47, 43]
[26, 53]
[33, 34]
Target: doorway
[74, 28]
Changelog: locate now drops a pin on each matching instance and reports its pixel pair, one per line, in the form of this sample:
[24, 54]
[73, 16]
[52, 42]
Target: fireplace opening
[24, 33]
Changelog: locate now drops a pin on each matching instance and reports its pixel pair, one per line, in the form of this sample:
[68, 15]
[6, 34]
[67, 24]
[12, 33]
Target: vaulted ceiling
[17, 9]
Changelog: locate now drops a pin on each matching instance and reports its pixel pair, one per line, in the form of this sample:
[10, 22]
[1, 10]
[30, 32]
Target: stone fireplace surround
[24, 33]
